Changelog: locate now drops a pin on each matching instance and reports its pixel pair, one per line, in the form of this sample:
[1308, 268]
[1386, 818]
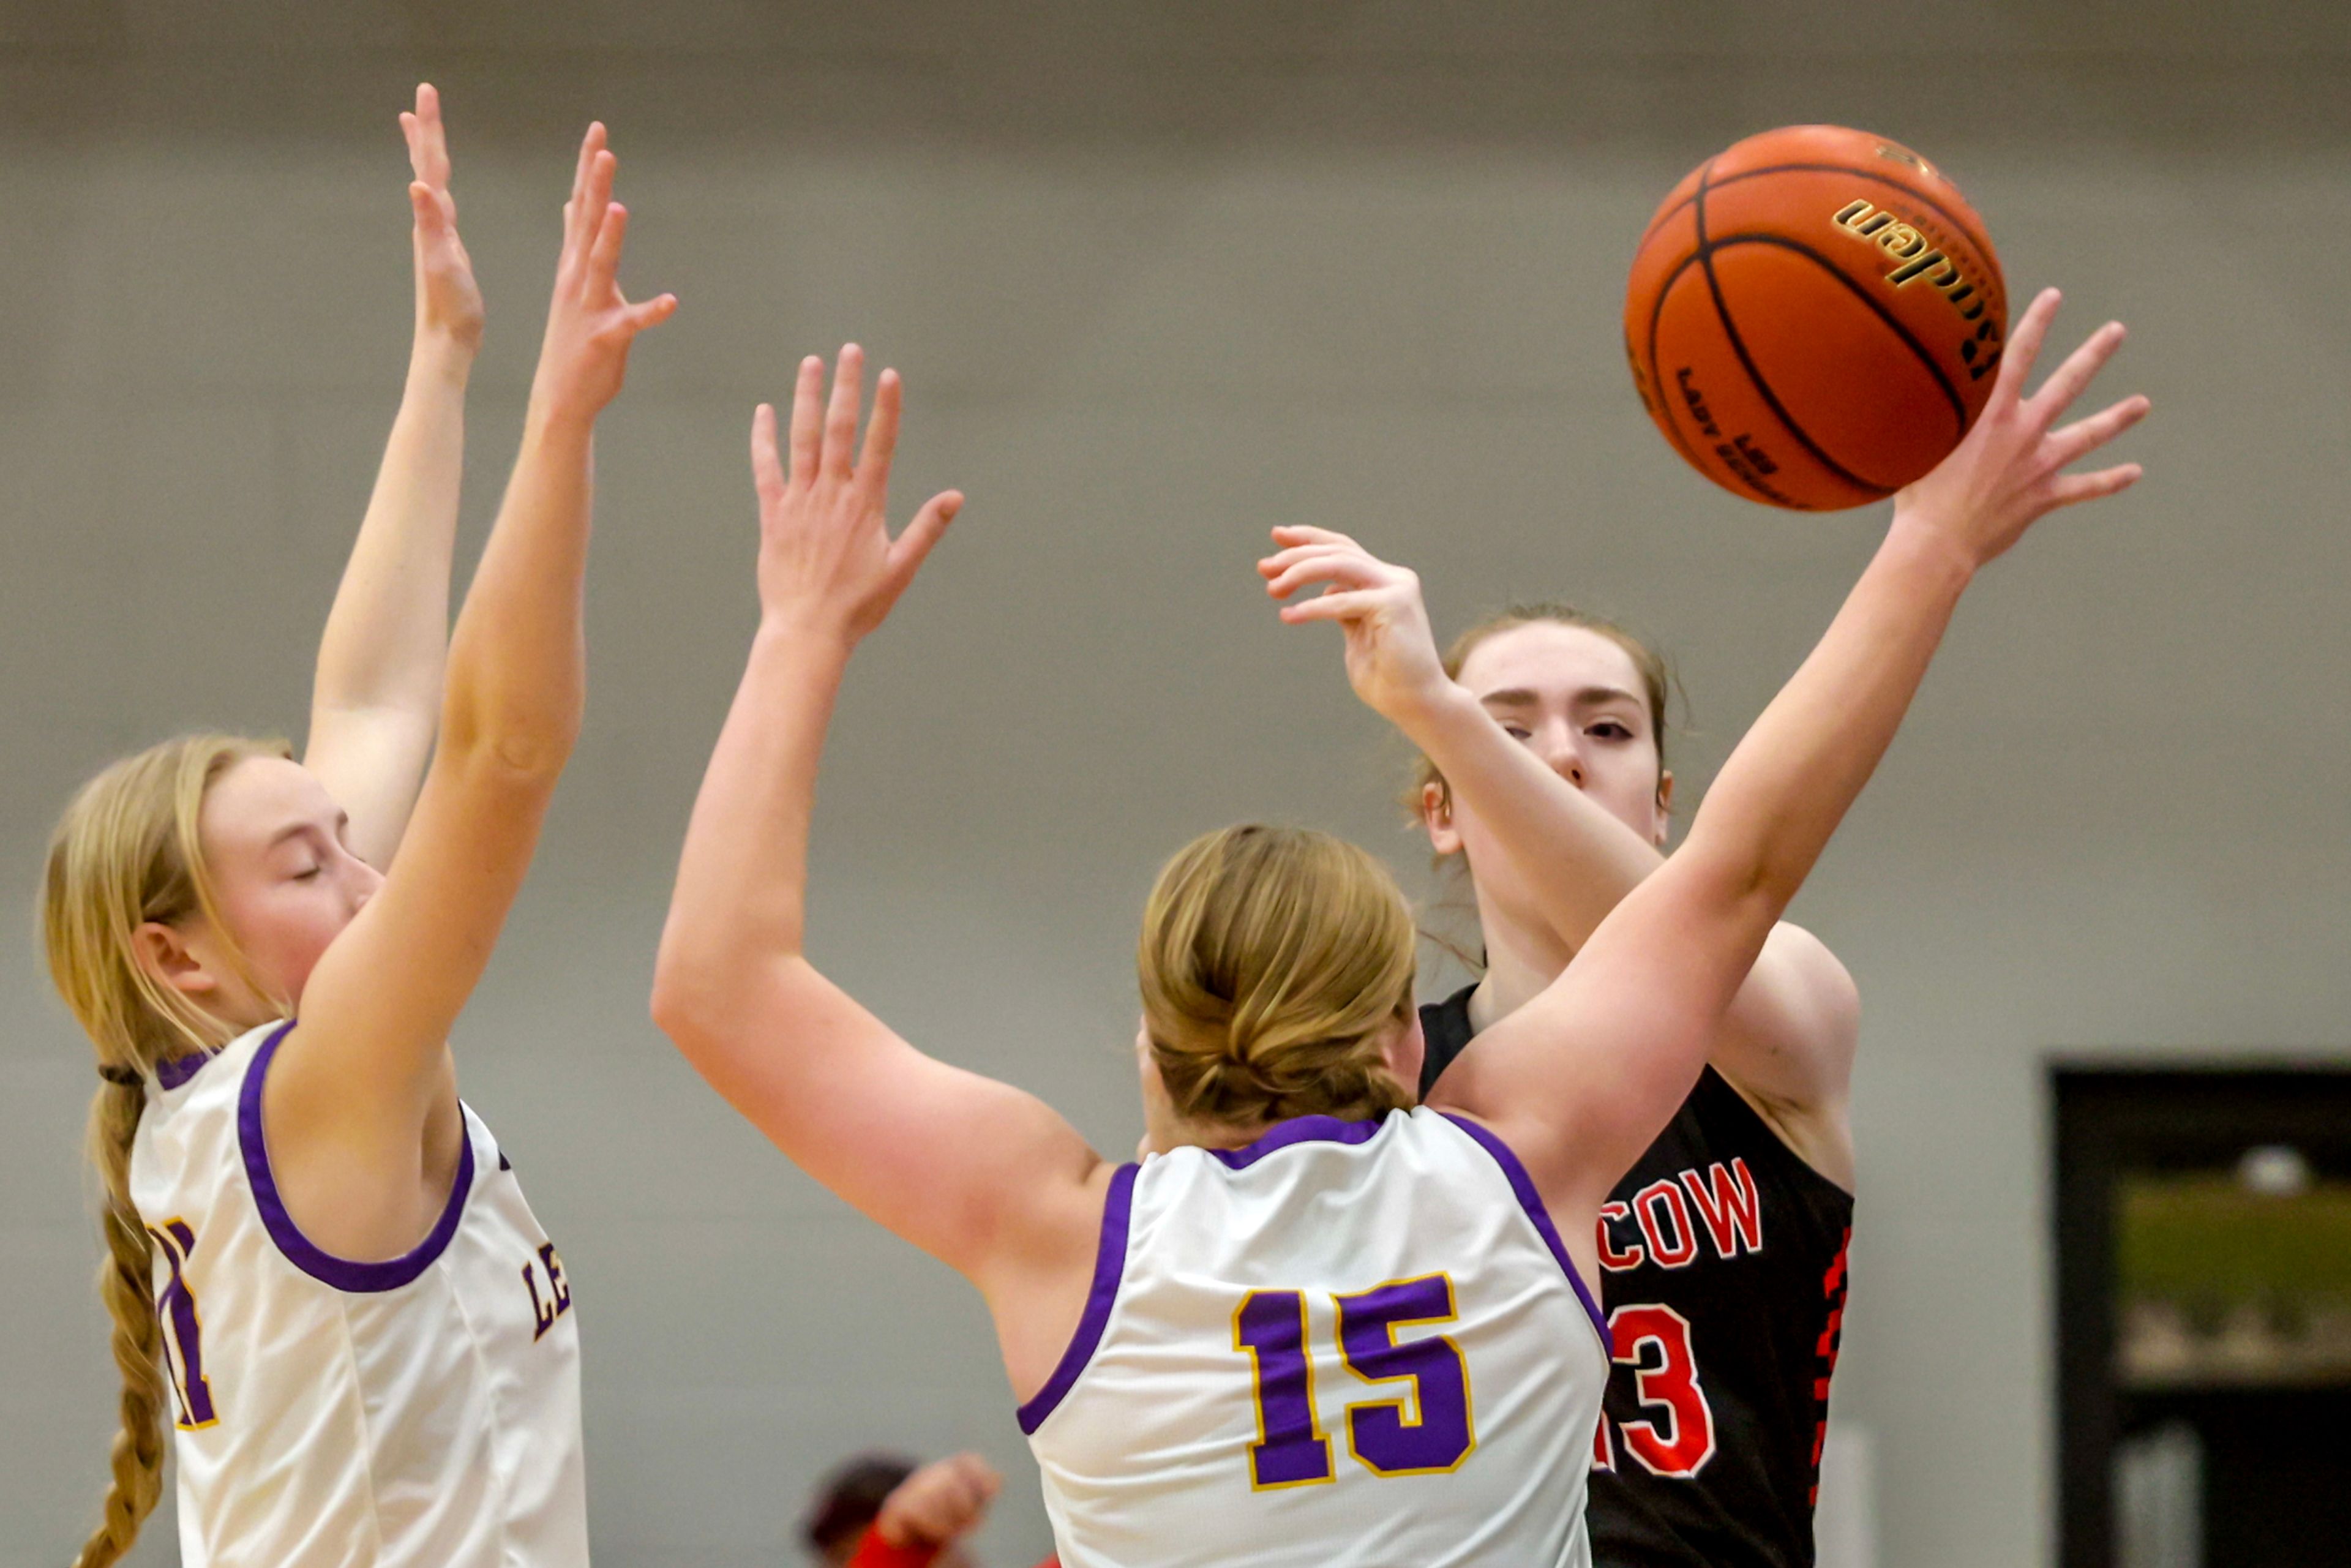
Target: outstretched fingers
[767, 468]
[604, 252]
[2068, 380]
[841, 414]
[2070, 489]
[808, 419]
[2083, 436]
[428, 140]
[881, 438]
[2024, 345]
[579, 224]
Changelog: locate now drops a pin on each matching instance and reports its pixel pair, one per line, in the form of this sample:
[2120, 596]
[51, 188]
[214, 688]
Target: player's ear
[1663, 826]
[1436, 816]
[163, 952]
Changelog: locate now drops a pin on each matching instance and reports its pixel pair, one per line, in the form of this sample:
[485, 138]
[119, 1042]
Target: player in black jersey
[1723, 1251]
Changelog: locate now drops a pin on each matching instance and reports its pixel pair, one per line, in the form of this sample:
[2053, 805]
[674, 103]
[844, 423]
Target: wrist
[550, 417]
[1421, 714]
[1923, 537]
[806, 634]
[443, 353]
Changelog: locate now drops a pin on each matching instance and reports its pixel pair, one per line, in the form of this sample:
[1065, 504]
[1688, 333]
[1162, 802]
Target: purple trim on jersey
[1523, 1186]
[176, 1071]
[1110, 1264]
[1300, 1130]
[341, 1273]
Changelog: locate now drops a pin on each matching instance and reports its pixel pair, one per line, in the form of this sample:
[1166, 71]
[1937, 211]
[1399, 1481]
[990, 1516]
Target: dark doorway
[2203, 1230]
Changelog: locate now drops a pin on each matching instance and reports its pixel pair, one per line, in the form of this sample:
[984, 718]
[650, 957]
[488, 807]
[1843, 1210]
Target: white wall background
[1159, 276]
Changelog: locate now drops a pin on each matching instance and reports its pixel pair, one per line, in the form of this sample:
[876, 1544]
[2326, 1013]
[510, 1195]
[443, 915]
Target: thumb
[426, 206]
[909, 548]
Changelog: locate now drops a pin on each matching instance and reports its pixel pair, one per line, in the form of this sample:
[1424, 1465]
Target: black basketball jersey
[1723, 1277]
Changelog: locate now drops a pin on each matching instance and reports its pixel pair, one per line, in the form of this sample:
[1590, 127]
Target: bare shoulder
[1039, 1287]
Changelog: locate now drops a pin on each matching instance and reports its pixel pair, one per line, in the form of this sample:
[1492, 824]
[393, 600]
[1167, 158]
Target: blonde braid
[126, 1283]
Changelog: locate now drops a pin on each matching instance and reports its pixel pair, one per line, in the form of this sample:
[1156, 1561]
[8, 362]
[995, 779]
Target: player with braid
[1292, 1213]
[320, 1266]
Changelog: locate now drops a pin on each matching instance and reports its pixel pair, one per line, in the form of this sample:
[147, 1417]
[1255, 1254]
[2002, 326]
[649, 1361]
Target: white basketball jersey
[1352, 1345]
[418, 1413]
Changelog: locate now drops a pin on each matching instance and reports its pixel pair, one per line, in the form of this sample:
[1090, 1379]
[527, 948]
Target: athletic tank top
[1351, 1344]
[418, 1413]
[1723, 1273]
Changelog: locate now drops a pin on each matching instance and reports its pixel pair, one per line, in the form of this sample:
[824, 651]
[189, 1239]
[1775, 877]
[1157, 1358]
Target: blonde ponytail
[127, 851]
[1272, 962]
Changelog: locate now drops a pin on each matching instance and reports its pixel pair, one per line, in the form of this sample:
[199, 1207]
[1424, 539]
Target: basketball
[1814, 317]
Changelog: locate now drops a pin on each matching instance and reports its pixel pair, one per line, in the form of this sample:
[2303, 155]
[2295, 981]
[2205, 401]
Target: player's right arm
[346, 1102]
[1788, 1037]
[1580, 1081]
[981, 1175]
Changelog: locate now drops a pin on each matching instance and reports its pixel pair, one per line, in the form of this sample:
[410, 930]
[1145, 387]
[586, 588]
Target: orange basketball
[1814, 317]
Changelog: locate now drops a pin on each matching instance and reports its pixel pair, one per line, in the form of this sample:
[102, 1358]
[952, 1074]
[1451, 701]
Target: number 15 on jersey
[1425, 1429]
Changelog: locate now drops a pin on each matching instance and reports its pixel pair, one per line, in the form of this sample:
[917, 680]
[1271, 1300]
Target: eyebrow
[1521, 696]
[294, 830]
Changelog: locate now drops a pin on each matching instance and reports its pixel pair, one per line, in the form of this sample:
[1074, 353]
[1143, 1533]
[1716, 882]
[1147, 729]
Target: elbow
[698, 987]
[524, 734]
[683, 996]
[509, 751]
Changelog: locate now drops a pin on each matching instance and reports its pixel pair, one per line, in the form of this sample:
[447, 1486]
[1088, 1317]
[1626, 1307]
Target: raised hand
[2011, 470]
[940, 1503]
[827, 563]
[447, 299]
[591, 325]
[1392, 659]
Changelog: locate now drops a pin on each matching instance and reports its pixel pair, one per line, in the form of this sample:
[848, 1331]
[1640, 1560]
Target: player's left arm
[375, 702]
[1787, 1039]
[981, 1175]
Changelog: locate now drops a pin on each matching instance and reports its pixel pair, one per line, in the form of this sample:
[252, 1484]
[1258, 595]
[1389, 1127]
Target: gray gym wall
[1159, 276]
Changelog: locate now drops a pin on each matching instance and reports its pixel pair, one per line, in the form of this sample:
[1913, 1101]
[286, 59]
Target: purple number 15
[1436, 1435]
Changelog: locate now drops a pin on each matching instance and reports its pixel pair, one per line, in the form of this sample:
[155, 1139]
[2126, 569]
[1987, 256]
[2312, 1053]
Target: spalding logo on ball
[1814, 317]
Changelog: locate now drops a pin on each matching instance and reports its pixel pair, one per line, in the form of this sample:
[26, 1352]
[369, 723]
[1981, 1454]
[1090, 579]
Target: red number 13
[1679, 1439]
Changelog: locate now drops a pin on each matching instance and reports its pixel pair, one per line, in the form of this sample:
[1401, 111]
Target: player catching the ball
[321, 1268]
[1722, 1251]
[1312, 1325]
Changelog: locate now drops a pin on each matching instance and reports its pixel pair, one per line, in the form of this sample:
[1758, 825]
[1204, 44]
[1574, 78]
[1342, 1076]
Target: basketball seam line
[1959, 404]
[1739, 346]
[1673, 424]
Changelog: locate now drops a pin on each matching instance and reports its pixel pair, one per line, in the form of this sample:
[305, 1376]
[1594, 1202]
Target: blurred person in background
[879, 1510]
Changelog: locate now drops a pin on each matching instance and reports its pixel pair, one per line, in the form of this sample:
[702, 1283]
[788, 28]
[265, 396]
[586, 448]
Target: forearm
[743, 876]
[1578, 860]
[1791, 781]
[388, 631]
[517, 659]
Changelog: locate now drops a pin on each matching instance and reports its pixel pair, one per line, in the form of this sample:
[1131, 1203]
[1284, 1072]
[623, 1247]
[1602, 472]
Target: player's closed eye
[1611, 729]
